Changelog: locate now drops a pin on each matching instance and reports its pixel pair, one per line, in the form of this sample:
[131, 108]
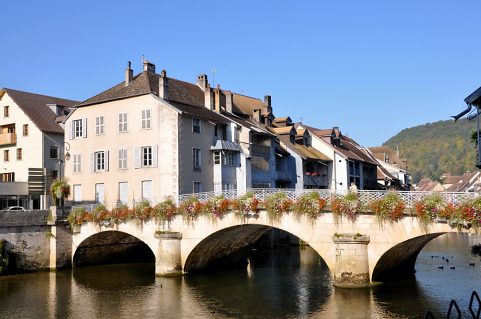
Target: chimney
[267, 103]
[208, 97]
[217, 99]
[163, 85]
[149, 66]
[129, 74]
[202, 81]
[229, 101]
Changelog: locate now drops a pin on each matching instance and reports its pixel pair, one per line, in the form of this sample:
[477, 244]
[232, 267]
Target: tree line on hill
[436, 148]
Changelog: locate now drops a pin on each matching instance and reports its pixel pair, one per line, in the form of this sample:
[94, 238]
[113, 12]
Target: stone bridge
[356, 253]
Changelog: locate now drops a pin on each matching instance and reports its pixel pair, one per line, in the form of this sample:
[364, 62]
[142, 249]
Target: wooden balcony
[8, 138]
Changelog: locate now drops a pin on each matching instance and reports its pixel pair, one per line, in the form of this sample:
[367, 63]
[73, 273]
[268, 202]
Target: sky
[372, 68]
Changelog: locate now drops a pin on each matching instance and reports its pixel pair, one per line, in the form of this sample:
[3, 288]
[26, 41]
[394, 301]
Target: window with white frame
[54, 152]
[122, 158]
[216, 157]
[99, 161]
[146, 119]
[122, 122]
[77, 163]
[197, 187]
[78, 128]
[195, 125]
[99, 125]
[77, 193]
[196, 157]
[146, 156]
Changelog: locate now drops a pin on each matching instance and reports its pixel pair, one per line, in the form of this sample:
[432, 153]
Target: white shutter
[120, 158]
[92, 162]
[70, 129]
[106, 160]
[84, 127]
[137, 157]
[155, 150]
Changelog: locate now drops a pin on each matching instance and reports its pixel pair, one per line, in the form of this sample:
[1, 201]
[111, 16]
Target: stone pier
[168, 261]
[352, 265]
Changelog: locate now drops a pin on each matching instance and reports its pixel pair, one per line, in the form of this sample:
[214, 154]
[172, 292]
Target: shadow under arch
[398, 262]
[112, 247]
[226, 247]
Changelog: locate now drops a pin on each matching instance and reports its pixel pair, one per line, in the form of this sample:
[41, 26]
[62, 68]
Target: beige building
[31, 147]
[149, 137]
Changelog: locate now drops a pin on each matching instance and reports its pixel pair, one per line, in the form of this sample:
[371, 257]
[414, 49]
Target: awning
[226, 146]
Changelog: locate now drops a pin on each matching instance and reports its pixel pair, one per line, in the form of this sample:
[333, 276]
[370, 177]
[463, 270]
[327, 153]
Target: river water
[282, 283]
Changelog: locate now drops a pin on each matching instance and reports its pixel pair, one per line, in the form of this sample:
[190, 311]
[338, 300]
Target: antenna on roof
[143, 60]
[300, 119]
[213, 77]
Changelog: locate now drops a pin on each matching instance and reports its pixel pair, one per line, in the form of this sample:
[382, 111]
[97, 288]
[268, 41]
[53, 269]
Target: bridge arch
[398, 262]
[111, 246]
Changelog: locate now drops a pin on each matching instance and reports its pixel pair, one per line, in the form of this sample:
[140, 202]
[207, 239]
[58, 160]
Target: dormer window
[6, 111]
[292, 138]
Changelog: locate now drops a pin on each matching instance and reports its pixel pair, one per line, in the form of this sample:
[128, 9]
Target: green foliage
[4, 257]
[436, 148]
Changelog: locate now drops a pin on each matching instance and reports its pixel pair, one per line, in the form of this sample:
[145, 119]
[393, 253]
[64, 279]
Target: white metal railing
[365, 196]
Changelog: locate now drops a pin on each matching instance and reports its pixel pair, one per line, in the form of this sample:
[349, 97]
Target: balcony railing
[8, 138]
[310, 180]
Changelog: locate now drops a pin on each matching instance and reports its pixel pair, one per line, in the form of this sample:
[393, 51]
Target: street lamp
[65, 157]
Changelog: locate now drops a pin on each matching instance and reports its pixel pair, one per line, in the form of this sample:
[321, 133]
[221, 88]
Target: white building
[31, 146]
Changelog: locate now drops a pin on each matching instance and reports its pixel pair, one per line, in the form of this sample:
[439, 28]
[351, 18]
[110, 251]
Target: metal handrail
[454, 306]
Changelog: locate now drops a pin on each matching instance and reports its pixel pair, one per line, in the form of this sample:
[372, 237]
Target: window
[25, 129]
[260, 163]
[195, 125]
[146, 116]
[77, 163]
[122, 122]
[228, 159]
[7, 177]
[196, 159]
[99, 125]
[77, 193]
[19, 154]
[5, 156]
[146, 156]
[6, 111]
[99, 161]
[147, 190]
[99, 193]
[197, 187]
[54, 152]
[123, 192]
[216, 157]
[122, 158]
[78, 128]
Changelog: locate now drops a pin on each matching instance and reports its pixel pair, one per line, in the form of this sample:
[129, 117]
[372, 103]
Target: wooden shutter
[137, 157]
[84, 127]
[106, 153]
[155, 150]
[92, 162]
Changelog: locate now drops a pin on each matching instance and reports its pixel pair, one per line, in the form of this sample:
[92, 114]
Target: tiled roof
[187, 97]
[380, 153]
[464, 183]
[305, 152]
[427, 185]
[348, 147]
[35, 107]
[281, 130]
[245, 104]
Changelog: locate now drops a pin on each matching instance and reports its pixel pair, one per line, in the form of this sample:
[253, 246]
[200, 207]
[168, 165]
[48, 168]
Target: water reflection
[286, 283]
[279, 283]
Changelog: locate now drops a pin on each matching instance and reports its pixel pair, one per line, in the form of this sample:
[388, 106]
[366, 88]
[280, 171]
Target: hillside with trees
[436, 148]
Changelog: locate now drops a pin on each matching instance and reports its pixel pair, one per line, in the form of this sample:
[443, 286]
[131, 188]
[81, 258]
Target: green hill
[436, 148]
